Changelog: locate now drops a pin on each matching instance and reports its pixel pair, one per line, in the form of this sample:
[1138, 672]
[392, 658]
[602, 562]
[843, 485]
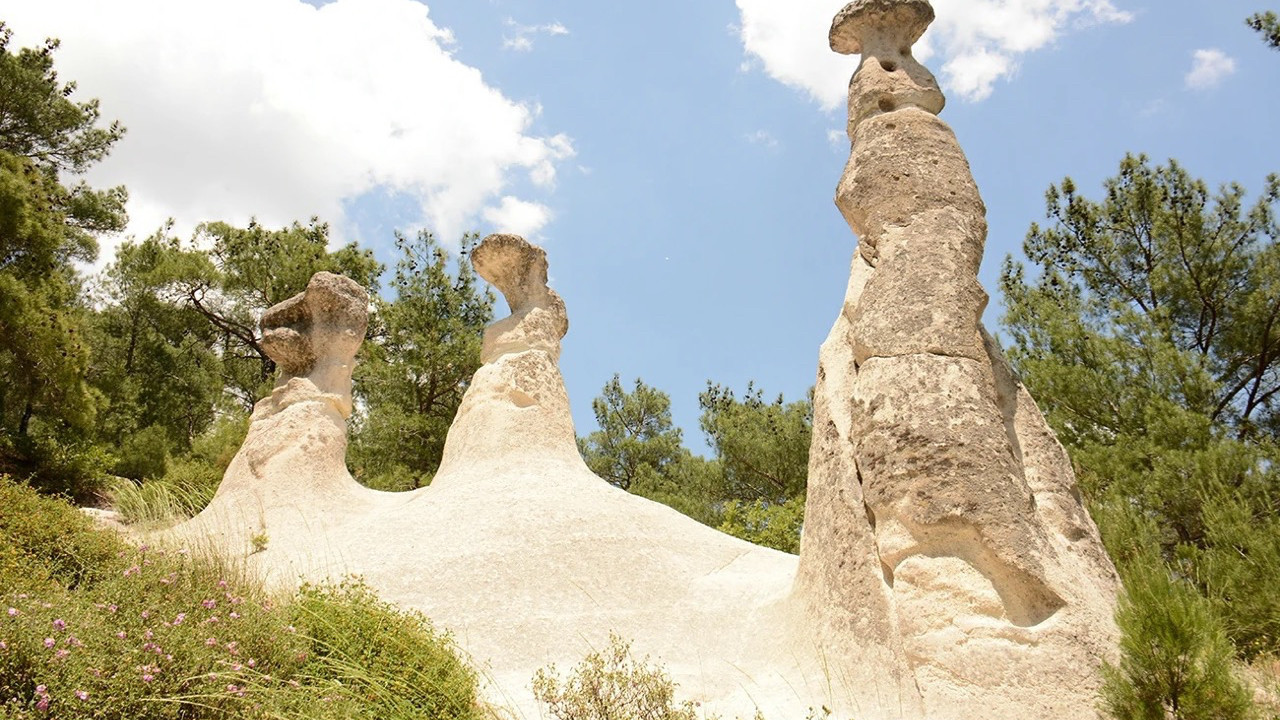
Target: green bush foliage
[611, 685]
[93, 628]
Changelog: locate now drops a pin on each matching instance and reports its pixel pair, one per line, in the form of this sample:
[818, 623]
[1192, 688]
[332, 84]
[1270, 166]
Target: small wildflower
[211, 642]
[113, 607]
[178, 620]
[120, 635]
[209, 604]
[211, 619]
[4, 645]
[148, 634]
[82, 695]
[50, 642]
[74, 641]
[143, 548]
[43, 703]
[132, 571]
[41, 690]
[61, 654]
[290, 628]
[234, 615]
[148, 677]
[252, 663]
[236, 667]
[222, 584]
[59, 624]
[13, 612]
[146, 614]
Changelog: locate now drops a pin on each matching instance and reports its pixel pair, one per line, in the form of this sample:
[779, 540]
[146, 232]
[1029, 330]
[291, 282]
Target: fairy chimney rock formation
[290, 473]
[943, 526]
[315, 334]
[516, 407]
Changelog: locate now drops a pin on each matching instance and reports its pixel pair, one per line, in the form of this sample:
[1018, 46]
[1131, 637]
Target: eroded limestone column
[968, 563]
[516, 409]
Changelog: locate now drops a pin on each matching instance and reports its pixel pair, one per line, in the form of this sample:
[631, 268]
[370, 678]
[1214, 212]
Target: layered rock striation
[944, 535]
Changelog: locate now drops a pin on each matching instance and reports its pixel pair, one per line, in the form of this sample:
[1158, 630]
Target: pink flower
[211, 642]
[252, 663]
[61, 654]
[148, 677]
[209, 604]
[178, 620]
[13, 612]
[120, 634]
[74, 641]
[42, 690]
[234, 615]
[146, 614]
[148, 634]
[112, 607]
[132, 571]
[59, 624]
[50, 642]
[222, 584]
[4, 645]
[82, 695]
[43, 703]
[291, 628]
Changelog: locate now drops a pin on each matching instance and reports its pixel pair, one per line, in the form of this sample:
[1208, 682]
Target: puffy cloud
[979, 41]
[280, 110]
[517, 216]
[1209, 68]
[521, 39]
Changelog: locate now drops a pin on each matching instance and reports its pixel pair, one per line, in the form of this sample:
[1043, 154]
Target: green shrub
[764, 523]
[611, 685]
[1176, 662]
[93, 628]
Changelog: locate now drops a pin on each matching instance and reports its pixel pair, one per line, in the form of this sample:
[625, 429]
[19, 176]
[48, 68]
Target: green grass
[91, 627]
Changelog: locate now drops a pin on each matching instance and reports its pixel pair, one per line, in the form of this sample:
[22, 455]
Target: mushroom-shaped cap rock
[330, 307]
[518, 269]
[902, 21]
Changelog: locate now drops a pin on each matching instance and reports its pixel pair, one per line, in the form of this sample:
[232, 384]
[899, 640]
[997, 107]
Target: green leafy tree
[422, 350]
[763, 446]
[1268, 24]
[637, 439]
[1150, 336]
[154, 362]
[244, 272]
[46, 226]
[639, 449]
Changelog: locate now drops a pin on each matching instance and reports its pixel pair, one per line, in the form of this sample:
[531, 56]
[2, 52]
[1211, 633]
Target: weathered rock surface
[944, 535]
[516, 546]
[289, 480]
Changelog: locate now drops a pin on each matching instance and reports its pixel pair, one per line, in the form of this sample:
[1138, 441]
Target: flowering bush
[91, 627]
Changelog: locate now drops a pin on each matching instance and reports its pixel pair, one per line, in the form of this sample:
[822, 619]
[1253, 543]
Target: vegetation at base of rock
[91, 627]
[753, 487]
[1149, 336]
[611, 684]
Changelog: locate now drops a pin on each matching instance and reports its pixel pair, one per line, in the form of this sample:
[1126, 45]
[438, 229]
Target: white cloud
[520, 217]
[280, 110]
[1209, 68]
[979, 41]
[522, 40]
[762, 138]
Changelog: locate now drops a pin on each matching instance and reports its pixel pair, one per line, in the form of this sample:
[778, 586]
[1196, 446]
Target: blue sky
[676, 159]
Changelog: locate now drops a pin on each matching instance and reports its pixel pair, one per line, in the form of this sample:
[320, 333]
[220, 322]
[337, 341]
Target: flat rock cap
[906, 19]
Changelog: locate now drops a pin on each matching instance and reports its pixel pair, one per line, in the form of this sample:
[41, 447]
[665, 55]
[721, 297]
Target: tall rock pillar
[944, 537]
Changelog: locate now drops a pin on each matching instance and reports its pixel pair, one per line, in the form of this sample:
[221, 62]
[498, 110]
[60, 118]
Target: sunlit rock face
[948, 570]
[944, 535]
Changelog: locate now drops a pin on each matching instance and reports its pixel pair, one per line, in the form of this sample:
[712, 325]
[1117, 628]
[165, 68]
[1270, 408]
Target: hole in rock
[887, 104]
[889, 65]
